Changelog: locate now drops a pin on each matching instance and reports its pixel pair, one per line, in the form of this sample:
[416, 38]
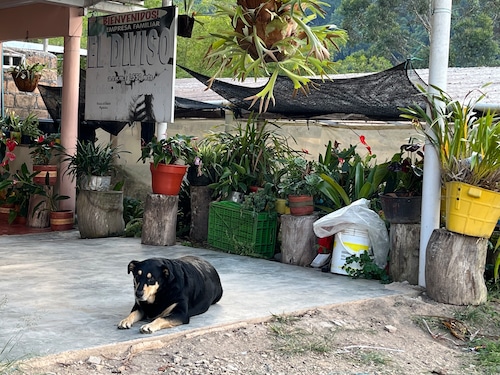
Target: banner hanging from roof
[131, 66]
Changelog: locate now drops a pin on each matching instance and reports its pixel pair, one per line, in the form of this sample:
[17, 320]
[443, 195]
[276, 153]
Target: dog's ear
[167, 271]
[131, 265]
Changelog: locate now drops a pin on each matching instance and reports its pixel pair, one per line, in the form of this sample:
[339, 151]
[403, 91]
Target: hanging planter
[26, 76]
[166, 179]
[185, 26]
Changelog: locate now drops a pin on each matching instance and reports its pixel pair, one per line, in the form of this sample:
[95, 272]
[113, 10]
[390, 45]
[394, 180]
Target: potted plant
[21, 130]
[205, 168]
[58, 219]
[44, 149]
[26, 76]
[170, 159]
[401, 196]
[92, 165]
[299, 184]
[467, 145]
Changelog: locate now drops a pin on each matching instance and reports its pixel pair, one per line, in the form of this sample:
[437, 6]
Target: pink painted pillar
[70, 92]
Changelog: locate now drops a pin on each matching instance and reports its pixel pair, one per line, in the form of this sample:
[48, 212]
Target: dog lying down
[170, 291]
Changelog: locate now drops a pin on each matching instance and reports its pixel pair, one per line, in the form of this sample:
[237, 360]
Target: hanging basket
[26, 84]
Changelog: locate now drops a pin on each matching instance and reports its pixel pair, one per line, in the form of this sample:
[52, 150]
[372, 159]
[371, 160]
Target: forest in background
[381, 33]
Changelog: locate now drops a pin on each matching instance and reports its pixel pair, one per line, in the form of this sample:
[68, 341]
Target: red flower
[305, 151]
[362, 140]
[11, 144]
[40, 139]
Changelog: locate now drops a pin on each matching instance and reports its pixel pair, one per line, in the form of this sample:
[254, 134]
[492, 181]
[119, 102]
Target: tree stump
[454, 268]
[201, 197]
[100, 213]
[404, 254]
[160, 220]
[41, 217]
[298, 241]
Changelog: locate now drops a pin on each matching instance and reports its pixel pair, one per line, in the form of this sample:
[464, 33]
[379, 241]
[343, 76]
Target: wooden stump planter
[454, 268]
[404, 252]
[160, 220]
[298, 243]
[41, 217]
[201, 196]
[100, 213]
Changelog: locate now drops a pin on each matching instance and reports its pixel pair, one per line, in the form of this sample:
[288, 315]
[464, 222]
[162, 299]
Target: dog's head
[148, 278]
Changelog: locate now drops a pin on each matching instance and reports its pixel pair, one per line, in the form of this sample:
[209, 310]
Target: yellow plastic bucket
[471, 210]
[350, 241]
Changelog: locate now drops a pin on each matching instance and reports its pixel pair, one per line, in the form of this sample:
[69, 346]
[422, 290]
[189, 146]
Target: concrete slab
[60, 293]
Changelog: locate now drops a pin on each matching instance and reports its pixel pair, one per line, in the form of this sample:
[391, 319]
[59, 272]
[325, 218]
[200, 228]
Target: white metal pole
[161, 127]
[438, 76]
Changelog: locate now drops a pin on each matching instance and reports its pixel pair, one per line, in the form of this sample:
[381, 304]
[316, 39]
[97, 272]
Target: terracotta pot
[166, 179]
[26, 85]
[44, 170]
[61, 220]
[301, 204]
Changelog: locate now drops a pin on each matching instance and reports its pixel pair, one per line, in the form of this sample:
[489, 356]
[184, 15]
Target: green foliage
[261, 200]
[44, 148]
[299, 178]
[133, 211]
[170, 150]
[367, 268]
[347, 176]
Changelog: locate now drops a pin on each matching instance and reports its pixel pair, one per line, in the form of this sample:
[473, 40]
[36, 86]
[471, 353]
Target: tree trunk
[41, 217]
[404, 253]
[200, 205]
[298, 241]
[454, 268]
[160, 220]
[100, 213]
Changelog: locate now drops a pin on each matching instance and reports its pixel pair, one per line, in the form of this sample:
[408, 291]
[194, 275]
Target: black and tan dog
[170, 291]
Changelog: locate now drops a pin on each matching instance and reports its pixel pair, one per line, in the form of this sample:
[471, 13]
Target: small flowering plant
[405, 170]
[178, 149]
[45, 147]
[7, 155]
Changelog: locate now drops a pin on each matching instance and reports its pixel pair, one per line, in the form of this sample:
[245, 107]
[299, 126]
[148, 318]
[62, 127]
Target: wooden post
[41, 217]
[404, 253]
[298, 241]
[200, 205]
[454, 268]
[100, 213]
[160, 220]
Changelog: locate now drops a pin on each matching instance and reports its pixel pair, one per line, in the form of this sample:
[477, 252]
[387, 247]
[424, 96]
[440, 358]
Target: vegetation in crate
[347, 176]
[300, 177]
[466, 141]
[263, 200]
[249, 156]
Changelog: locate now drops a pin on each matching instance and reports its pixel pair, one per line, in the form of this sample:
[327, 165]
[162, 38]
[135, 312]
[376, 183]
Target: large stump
[100, 213]
[298, 242]
[404, 253]
[200, 205]
[454, 268]
[160, 220]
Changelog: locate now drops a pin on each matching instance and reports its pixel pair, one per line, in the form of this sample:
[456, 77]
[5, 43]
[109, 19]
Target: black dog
[170, 291]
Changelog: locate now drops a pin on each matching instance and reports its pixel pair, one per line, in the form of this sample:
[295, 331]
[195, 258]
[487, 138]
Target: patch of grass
[373, 358]
[291, 339]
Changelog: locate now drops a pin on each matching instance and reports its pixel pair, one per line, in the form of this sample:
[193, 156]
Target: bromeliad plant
[271, 38]
[467, 142]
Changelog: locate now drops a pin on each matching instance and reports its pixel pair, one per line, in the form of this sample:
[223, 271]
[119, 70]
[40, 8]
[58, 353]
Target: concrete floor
[60, 293]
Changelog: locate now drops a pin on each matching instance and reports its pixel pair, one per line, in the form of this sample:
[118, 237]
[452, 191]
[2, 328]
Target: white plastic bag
[358, 213]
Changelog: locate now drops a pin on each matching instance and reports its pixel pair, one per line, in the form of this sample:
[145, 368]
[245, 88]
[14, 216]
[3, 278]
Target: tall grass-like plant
[467, 142]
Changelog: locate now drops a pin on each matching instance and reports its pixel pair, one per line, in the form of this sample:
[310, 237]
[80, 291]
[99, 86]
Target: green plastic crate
[240, 231]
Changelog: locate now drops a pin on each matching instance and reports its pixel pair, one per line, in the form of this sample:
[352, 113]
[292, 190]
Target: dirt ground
[392, 335]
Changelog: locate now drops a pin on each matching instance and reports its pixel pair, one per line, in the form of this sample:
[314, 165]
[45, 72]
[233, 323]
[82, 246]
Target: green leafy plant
[177, 149]
[300, 177]
[44, 148]
[347, 176]
[91, 159]
[271, 38]
[27, 126]
[261, 200]
[27, 71]
[467, 142]
[367, 268]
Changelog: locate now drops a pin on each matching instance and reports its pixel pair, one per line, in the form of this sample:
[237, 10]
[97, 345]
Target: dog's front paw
[126, 323]
[149, 328]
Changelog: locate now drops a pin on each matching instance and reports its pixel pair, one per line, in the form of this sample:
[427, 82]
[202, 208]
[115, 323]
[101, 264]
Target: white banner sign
[131, 66]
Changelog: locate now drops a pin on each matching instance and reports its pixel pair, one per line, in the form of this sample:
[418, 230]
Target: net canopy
[377, 96]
